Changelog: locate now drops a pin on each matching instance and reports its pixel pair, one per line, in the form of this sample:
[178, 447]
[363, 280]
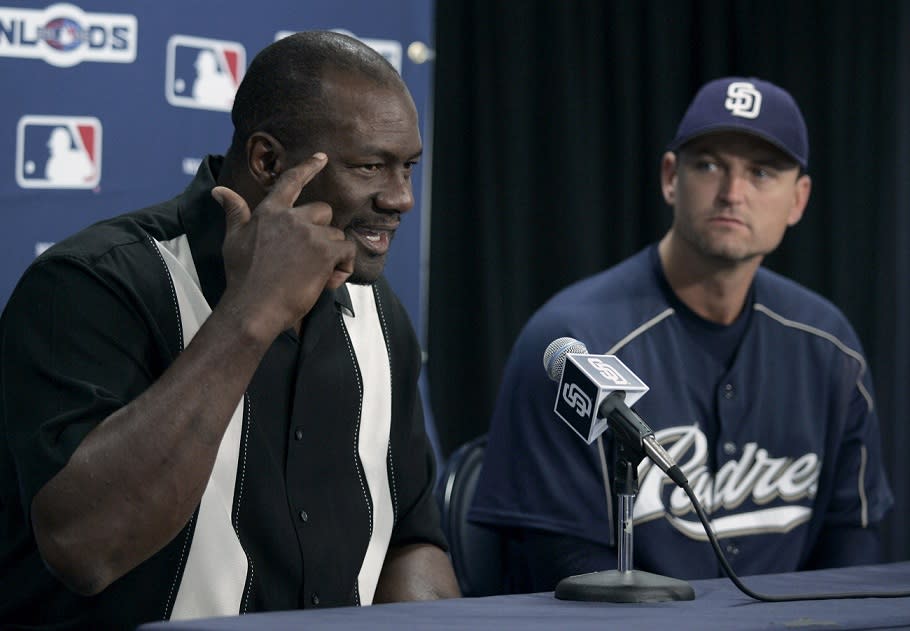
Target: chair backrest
[476, 551]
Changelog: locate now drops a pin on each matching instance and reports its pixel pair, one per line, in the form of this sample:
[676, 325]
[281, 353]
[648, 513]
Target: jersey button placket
[729, 415]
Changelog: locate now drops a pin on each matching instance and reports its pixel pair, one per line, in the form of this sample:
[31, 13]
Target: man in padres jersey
[210, 406]
[758, 387]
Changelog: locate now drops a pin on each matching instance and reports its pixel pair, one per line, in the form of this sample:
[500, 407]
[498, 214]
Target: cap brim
[741, 129]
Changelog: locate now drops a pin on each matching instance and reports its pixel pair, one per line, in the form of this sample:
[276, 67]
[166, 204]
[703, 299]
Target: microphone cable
[769, 597]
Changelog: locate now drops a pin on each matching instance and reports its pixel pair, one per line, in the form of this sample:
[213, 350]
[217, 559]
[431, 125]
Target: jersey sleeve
[74, 350]
[539, 560]
[854, 491]
[861, 495]
[844, 546]
[537, 472]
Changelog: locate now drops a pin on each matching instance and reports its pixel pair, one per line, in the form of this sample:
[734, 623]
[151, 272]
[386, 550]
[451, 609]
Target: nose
[396, 194]
[733, 187]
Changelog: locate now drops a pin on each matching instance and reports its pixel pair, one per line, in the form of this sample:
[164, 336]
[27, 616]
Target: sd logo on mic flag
[586, 381]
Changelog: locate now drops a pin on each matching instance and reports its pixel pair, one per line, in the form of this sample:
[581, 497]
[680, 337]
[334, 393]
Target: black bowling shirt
[94, 322]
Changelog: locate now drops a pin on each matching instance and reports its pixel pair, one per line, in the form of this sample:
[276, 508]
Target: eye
[706, 165]
[409, 167]
[370, 168]
[763, 173]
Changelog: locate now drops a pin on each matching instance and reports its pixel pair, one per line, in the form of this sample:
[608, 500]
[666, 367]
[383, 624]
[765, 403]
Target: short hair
[282, 91]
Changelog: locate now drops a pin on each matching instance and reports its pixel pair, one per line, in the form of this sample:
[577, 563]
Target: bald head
[282, 92]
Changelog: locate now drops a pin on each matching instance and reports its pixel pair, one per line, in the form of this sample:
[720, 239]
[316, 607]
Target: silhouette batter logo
[203, 73]
[58, 152]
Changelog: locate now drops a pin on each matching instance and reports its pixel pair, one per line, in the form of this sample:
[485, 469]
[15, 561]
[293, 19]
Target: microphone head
[554, 358]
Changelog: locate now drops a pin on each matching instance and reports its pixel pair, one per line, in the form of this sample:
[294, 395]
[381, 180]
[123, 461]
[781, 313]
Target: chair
[476, 551]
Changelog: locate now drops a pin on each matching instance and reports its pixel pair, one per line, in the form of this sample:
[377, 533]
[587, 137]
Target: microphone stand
[624, 584]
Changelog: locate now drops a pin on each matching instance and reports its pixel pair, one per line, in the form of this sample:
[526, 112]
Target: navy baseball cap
[750, 106]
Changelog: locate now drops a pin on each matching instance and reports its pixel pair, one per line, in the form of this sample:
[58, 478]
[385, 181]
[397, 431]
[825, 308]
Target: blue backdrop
[109, 106]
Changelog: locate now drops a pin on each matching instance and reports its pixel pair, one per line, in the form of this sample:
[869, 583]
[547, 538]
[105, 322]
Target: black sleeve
[537, 560]
[417, 515]
[412, 465]
[74, 350]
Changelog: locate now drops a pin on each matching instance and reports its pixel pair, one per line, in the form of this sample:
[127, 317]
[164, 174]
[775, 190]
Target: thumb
[236, 211]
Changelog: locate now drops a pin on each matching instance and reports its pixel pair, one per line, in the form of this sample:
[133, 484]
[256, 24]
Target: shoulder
[791, 321]
[133, 232]
[115, 259]
[108, 238]
[629, 280]
[602, 309]
[387, 296]
[395, 321]
[787, 305]
[391, 309]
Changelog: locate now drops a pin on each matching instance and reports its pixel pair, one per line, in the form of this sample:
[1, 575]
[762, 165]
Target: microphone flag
[585, 382]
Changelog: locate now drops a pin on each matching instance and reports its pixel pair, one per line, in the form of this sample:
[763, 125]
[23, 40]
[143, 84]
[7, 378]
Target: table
[718, 604]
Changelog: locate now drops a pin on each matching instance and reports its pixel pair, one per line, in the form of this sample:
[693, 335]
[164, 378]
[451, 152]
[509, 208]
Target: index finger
[291, 181]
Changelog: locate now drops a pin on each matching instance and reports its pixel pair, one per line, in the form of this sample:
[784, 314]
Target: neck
[714, 289]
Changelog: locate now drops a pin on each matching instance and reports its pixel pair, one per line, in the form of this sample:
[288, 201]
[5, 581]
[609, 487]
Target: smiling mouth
[376, 241]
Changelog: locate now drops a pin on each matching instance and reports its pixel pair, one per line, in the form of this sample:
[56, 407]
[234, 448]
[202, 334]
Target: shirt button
[298, 434]
[314, 598]
[728, 391]
[304, 516]
[729, 448]
[732, 549]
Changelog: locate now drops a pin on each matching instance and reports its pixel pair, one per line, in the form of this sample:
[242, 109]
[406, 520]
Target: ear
[266, 158]
[668, 165]
[801, 190]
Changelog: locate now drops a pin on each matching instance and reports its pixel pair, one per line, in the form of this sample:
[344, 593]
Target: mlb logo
[58, 152]
[203, 73]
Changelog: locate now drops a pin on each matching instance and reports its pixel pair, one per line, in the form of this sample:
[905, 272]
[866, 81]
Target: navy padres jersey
[779, 440]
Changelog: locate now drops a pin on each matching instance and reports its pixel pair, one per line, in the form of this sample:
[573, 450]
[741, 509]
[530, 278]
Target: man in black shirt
[209, 406]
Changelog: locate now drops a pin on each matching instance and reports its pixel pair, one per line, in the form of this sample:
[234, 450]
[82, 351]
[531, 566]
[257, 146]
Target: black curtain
[550, 120]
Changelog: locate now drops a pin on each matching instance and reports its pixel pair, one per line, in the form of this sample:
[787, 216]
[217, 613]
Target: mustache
[378, 222]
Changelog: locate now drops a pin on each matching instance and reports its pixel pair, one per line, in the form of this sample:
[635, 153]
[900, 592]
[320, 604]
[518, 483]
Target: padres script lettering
[756, 478]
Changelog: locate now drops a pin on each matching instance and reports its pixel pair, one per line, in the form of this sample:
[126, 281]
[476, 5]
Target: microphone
[596, 392]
